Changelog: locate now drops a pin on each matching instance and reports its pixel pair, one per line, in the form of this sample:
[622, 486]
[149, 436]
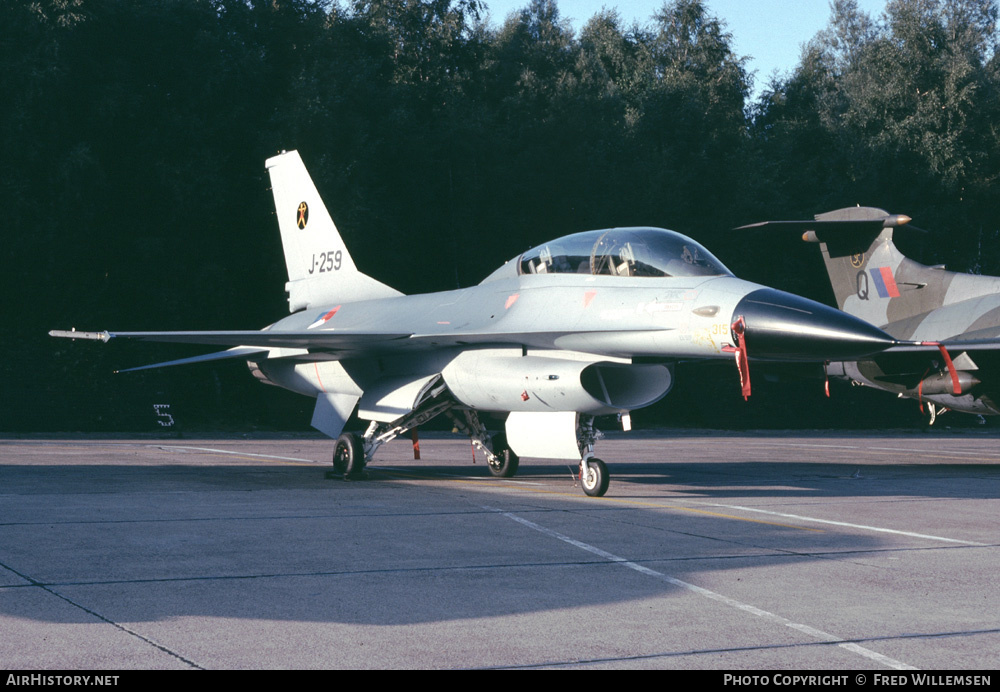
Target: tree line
[133, 194]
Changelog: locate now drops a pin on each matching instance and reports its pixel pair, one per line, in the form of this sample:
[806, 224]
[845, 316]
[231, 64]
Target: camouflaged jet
[874, 281]
[590, 324]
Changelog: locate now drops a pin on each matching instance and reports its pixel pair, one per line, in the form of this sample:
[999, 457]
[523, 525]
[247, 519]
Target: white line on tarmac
[241, 454]
[928, 451]
[805, 629]
[863, 527]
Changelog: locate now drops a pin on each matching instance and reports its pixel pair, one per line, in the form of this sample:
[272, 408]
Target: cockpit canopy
[623, 252]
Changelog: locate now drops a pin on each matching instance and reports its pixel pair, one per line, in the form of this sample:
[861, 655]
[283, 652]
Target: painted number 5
[163, 414]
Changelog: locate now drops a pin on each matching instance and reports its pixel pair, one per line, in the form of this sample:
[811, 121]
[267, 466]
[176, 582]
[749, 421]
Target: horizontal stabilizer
[238, 352]
[811, 225]
[852, 221]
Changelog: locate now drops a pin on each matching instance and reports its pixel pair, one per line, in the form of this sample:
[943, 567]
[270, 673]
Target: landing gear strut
[353, 452]
[502, 462]
[931, 412]
[500, 458]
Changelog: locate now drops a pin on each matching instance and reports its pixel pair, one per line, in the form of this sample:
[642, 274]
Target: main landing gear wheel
[506, 462]
[349, 455]
[595, 480]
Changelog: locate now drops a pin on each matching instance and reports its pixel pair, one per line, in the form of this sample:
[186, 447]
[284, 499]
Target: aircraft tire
[595, 482]
[507, 462]
[349, 455]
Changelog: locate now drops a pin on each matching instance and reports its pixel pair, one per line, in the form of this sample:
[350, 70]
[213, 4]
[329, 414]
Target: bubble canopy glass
[652, 252]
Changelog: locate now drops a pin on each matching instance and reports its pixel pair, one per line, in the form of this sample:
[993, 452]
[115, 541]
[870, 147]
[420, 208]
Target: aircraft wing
[344, 343]
[339, 341]
[244, 344]
[261, 340]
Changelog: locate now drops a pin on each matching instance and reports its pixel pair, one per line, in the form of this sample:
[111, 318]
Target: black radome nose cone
[784, 326]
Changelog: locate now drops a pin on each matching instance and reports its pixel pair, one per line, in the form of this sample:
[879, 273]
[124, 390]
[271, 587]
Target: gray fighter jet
[958, 313]
[589, 324]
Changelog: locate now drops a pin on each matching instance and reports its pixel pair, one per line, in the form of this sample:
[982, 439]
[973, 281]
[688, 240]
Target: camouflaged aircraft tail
[873, 280]
[870, 277]
[866, 270]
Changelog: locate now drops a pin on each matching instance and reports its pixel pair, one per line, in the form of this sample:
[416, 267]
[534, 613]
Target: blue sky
[771, 32]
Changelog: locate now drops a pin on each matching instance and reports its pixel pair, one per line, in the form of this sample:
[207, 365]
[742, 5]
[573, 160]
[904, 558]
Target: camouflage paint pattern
[873, 280]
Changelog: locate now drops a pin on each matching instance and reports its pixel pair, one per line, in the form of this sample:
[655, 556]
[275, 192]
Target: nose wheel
[594, 477]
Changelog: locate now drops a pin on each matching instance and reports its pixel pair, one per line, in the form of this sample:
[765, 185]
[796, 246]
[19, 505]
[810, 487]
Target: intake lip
[784, 326]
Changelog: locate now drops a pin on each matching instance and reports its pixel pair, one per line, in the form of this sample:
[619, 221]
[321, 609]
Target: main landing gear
[353, 451]
[349, 455]
[930, 412]
[502, 461]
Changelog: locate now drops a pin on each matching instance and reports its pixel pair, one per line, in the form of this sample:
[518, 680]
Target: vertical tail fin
[873, 280]
[861, 259]
[863, 264]
[320, 269]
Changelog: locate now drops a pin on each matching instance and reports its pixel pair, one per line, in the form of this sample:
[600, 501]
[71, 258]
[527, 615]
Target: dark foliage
[133, 194]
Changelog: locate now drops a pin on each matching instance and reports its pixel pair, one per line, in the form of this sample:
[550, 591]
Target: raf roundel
[303, 215]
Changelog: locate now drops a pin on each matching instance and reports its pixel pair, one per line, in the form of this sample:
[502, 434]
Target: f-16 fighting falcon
[874, 281]
[589, 324]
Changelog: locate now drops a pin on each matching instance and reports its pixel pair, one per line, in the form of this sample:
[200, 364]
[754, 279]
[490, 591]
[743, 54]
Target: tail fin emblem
[303, 215]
